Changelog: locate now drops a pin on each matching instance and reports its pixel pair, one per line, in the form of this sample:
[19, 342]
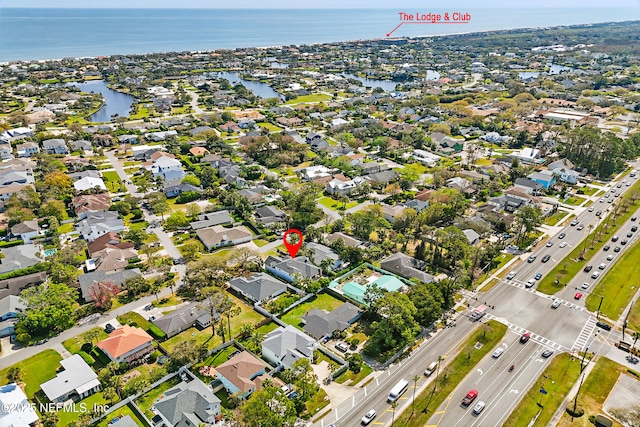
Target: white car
[368, 417]
[498, 352]
[479, 407]
[556, 303]
[563, 244]
[511, 275]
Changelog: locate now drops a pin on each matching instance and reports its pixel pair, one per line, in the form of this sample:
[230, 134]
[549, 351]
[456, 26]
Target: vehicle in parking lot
[585, 285]
[538, 276]
[595, 275]
[578, 295]
[531, 258]
[616, 249]
[556, 303]
[479, 407]
[587, 268]
[561, 236]
[470, 397]
[511, 275]
[530, 283]
[342, 347]
[547, 353]
[546, 258]
[498, 352]
[525, 337]
[580, 227]
[368, 417]
[604, 326]
[108, 328]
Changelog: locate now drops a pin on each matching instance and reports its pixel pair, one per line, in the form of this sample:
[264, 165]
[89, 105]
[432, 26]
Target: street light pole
[599, 305]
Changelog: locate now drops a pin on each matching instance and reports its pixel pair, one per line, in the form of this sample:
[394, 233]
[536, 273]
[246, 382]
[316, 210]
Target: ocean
[30, 34]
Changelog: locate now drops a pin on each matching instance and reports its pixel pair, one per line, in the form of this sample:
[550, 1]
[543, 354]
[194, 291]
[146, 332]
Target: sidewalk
[571, 395]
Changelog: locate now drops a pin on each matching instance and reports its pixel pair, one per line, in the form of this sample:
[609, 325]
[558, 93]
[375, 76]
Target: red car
[578, 295]
[470, 397]
[525, 337]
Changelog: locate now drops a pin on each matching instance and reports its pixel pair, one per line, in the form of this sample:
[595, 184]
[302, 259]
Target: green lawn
[111, 176]
[247, 316]
[334, 204]
[561, 374]
[66, 228]
[566, 269]
[317, 402]
[594, 392]
[134, 319]
[323, 301]
[74, 344]
[270, 127]
[36, 370]
[555, 218]
[316, 97]
[146, 401]
[618, 286]
[355, 378]
[260, 242]
[121, 413]
[574, 200]
[501, 259]
[589, 191]
[427, 402]
[94, 401]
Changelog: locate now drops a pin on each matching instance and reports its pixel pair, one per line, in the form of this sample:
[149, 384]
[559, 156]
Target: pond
[116, 103]
[262, 90]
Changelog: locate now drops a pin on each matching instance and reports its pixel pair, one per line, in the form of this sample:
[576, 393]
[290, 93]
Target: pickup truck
[470, 397]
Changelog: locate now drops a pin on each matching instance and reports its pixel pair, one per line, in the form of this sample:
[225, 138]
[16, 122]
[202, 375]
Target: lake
[115, 102]
[262, 90]
[387, 85]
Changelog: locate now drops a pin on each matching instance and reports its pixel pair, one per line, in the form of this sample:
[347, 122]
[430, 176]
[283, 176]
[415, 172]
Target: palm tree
[394, 405]
[415, 384]
[92, 334]
[232, 312]
[435, 382]
[636, 337]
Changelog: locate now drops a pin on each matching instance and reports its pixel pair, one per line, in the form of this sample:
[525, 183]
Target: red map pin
[293, 248]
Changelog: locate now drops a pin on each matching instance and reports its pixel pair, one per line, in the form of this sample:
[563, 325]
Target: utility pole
[624, 325]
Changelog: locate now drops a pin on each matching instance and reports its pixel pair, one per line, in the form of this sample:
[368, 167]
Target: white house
[76, 381]
[426, 157]
[15, 409]
[27, 149]
[167, 168]
[89, 183]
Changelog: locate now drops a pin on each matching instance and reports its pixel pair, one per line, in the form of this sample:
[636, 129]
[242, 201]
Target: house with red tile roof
[127, 344]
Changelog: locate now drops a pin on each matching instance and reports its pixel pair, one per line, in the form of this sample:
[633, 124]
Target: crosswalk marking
[585, 334]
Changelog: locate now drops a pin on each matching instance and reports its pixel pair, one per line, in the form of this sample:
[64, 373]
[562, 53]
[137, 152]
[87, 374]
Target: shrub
[577, 413]
[153, 356]
[156, 332]
[87, 347]
[87, 358]
[11, 243]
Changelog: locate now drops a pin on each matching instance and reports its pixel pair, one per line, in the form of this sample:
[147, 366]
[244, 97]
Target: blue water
[259, 89]
[57, 33]
[116, 103]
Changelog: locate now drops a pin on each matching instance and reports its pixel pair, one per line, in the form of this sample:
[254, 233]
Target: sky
[314, 4]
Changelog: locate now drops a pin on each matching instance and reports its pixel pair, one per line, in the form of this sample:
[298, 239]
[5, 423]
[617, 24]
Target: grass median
[468, 356]
[566, 269]
[618, 286]
[557, 380]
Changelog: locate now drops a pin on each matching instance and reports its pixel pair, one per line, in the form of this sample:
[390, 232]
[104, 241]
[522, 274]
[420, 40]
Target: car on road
[606, 248]
[525, 337]
[498, 352]
[601, 200]
[574, 222]
[633, 218]
[368, 417]
[538, 276]
[630, 234]
[108, 328]
[479, 407]
[590, 209]
[342, 347]
[580, 227]
[604, 326]
[595, 275]
[563, 244]
[547, 353]
[578, 295]
[546, 258]
[623, 241]
[549, 244]
[585, 285]
[470, 397]
[562, 236]
[148, 307]
[614, 238]
[556, 303]
[511, 275]
[610, 257]
[602, 266]
[530, 283]
[616, 249]
[531, 258]
[598, 213]
[634, 229]
[587, 268]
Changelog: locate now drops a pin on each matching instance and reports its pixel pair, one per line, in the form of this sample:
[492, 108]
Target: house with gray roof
[471, 235]
[10, 307]
[95, 224]
[259, 287]
[283, 346]
[125, 421]
[76, 381]
[219, 236]
[19, 257]
[182, 319]
[348, 240]
[322, 323]
[212, 218]
[55, 146]
[319, 253]
[290, 268]
[406, 266]
[115, 277]
[26, 230]
[188, 404]
[270, 215]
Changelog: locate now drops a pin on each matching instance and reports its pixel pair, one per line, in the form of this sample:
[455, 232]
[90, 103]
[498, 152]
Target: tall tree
[268, 407]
